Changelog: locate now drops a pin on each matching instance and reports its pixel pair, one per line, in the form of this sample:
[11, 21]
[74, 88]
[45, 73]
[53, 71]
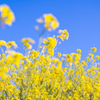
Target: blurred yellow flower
[78, 51]
[36, 28]
[93, 49]
[7, 15]
[11, 43]
[51, 22]
[27, 42]
[40, 20]
[64, 35]
[2, 42]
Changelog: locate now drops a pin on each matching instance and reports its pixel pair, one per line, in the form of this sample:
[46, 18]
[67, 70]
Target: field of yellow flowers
[42, 75]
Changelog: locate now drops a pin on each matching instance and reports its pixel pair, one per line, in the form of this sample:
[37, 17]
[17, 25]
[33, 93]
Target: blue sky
[81, 18]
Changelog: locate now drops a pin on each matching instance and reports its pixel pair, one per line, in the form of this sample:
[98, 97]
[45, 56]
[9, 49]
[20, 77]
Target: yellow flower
[91, 55]
[36, 28]
[69, 58]
[11, 43]
[2, 43]
[7, 15]
[40, 20]
[88, 58]
[59, 54]
[64, 34]
[45, 41]
[27, 42]
[34, 53]
[69, 84]
[17, 57]
[78, 51]
[60, 31]
[50, 22]
[97, 57]
[77, 57]
[93, 49]
[51, 42]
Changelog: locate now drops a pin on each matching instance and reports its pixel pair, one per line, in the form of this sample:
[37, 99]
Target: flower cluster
[64, 34]
[45, 74]
[27, 42]
[50, 21]
[7, 16]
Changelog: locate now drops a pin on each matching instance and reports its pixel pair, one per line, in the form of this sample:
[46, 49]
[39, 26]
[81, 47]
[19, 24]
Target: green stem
[2, 50]
[40, 38]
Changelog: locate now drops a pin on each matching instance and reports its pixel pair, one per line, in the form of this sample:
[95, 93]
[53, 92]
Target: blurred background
[81, 18]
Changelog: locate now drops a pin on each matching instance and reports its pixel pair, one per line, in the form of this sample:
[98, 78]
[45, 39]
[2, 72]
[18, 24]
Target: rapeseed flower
[40, 20]
[11, 43]
[2, 42]
[7, 16]
[93, 49]
[51, 22]
[64, 35]
[27, 42]
[44, 75]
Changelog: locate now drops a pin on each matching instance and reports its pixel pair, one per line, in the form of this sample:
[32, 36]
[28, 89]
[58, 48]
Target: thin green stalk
[41, 37]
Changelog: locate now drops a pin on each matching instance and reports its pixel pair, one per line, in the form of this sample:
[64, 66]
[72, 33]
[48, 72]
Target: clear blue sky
[81, 18]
